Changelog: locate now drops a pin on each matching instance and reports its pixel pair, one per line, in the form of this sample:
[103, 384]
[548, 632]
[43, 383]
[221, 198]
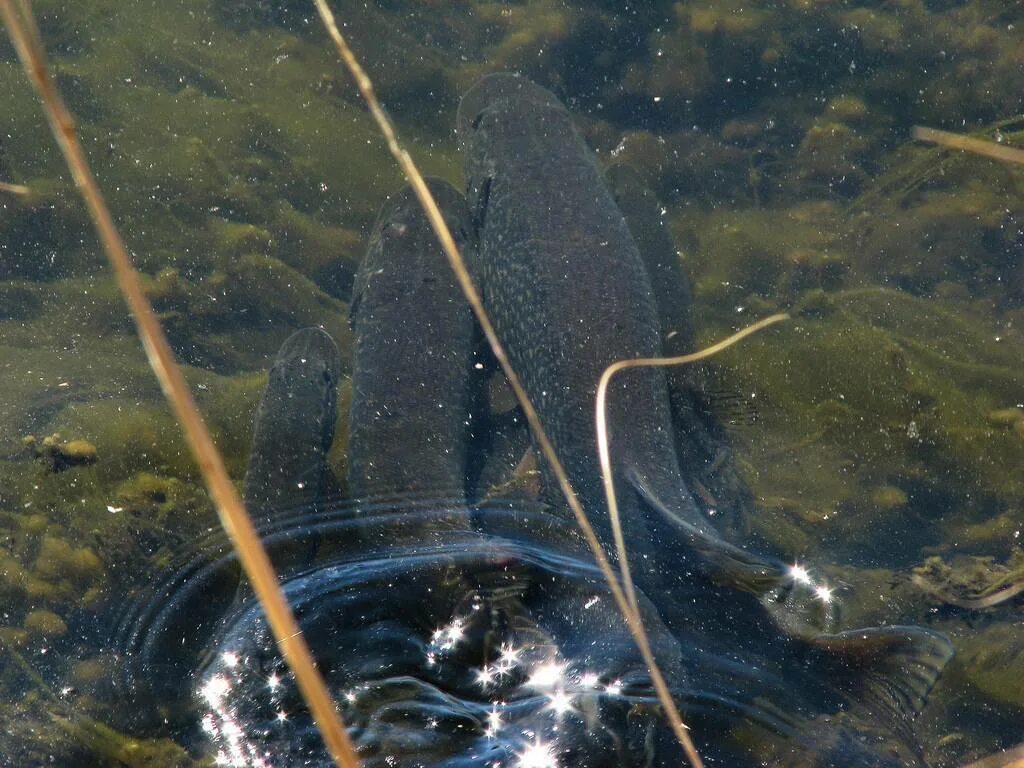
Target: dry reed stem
[236, 522]
[1008, 758]
[15, 189]
[458, 266]
[601, 427]
[969, 144]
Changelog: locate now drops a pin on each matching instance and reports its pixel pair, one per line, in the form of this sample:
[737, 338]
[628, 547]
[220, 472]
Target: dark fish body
[702, 447]
[413, 380]
[567, 289]
[670, 282]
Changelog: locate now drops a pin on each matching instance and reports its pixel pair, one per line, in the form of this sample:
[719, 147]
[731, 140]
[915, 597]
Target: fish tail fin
[888, 669]
[792, 601]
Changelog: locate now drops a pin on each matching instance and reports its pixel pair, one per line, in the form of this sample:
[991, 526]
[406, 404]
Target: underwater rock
[1005, 418]
[846, 109]
[45, 624]
[13, 576]
[833, 153]
[19, 301]
[60, 455]
[13, 637]
[58, 559]
[992, 659]
[329, 254]
[889, 497]
[972, 582]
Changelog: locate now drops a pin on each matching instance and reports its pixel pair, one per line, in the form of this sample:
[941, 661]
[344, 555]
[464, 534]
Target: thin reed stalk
[15, 189]
[1008, 758]
[21, 25]
[969, 144]
[601, 426]
[458, 266]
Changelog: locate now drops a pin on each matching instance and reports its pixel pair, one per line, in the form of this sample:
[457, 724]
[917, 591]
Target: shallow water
[877, 429]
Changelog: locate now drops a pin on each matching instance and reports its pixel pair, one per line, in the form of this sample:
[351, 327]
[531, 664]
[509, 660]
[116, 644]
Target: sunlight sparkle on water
[549, 675]
[494, 722]
[215, 689]
[508, 658]
[823, 593]
[537, 755]
[589, 680]
[800, 575]
[485, 676]
[448, 637]
[560, 703]
[223, 723]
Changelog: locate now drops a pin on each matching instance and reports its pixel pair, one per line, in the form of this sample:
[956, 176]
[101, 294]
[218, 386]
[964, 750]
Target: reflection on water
[246, 175]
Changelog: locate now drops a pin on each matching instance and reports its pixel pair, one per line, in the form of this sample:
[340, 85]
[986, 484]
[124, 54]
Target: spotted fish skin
[294, 426]
[414, 382]
[413, 376]
[567, 291]
[702, 446]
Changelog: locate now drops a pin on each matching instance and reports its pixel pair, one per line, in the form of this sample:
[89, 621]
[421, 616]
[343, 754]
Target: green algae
[862, 392]
[970, 577]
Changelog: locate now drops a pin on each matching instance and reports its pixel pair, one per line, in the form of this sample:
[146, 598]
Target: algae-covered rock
[59, 455]
[1005, 417]
[846, 109]
[833, 153]
[58, 559]
[13, 637]
[45, 624]
[970, 582]
[78, 452]
[889, 497]
[992, 660]
[876, 388]
[44, 732]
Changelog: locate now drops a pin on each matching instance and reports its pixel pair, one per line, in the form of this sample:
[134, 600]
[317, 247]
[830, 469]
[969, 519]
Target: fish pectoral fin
[724, 563]
[792, 605]
[887, 669]
[524, 483]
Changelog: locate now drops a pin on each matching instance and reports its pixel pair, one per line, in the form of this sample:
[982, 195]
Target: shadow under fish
[459, 632]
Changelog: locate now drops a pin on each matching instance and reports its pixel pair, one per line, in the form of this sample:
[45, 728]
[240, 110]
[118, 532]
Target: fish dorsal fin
[792, 602]
[887, 669]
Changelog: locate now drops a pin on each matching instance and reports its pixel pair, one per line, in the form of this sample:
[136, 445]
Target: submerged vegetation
[245, 174]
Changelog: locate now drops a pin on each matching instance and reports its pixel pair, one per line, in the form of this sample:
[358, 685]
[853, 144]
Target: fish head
[490, 93]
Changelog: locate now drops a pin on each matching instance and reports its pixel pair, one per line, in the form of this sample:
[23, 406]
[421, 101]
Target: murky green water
[245, 173]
